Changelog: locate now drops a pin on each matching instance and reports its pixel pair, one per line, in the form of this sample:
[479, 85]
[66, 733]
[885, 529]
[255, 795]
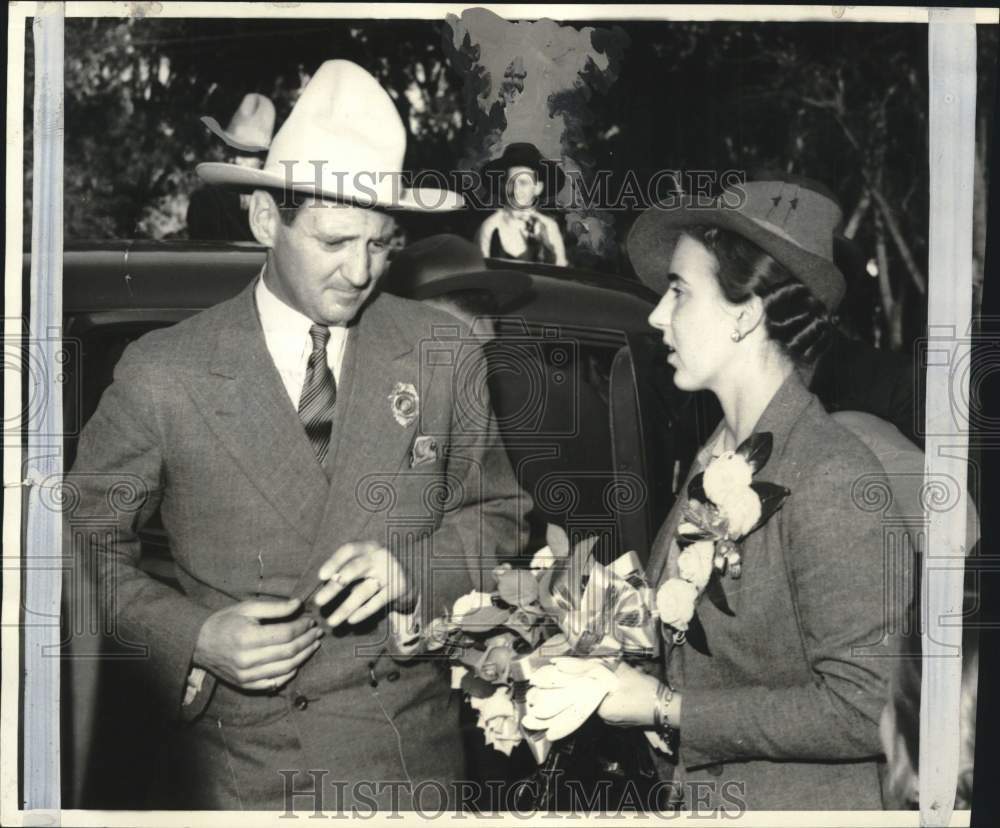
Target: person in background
[853, 375]
[219, 214]
[518, 230]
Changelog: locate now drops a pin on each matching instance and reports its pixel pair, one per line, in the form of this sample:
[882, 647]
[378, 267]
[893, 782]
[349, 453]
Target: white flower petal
[726, 473]
[542, 559]
[675, 602]
[695, 563]
[470, 602]
[458, 672]
[743, 510]
[499, 703]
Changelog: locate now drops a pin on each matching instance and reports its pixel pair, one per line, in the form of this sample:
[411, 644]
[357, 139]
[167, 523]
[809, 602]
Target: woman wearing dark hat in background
[778, 706]
[518, 230]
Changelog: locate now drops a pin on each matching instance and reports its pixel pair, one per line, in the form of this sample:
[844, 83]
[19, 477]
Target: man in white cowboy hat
[216, 213]
[324, 458]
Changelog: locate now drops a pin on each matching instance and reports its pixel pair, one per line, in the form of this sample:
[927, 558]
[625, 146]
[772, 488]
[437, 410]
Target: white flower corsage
[724, 505]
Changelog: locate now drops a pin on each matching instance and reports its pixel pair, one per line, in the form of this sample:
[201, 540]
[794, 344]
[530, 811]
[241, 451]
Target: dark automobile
[594, 428]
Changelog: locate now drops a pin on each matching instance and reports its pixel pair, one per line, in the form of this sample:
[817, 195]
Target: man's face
[326, 264]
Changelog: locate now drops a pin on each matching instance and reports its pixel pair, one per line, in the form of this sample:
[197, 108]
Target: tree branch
[858, 215]
[889, 310]
[897, 236]
[835, 104]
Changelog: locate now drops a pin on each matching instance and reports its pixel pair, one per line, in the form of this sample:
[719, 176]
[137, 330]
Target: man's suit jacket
[783, 713]
[198, 423]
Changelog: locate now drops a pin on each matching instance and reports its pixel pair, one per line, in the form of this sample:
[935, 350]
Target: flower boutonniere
[404, 403]
[425, 450]
[725, 504]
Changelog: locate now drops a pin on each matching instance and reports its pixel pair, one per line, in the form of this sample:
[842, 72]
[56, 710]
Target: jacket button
[301, 702]
[393, 676]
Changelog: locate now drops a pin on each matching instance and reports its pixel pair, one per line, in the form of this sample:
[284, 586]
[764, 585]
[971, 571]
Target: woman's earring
[735, 336]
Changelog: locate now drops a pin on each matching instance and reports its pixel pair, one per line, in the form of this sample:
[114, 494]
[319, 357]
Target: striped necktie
[319, 394]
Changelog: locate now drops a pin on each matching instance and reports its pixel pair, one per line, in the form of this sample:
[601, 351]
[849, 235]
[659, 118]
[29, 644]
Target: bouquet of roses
[566, 622]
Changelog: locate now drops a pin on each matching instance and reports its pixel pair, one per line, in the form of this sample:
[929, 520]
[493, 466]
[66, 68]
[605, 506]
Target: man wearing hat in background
[518, 230]
[297, 440]
[217, 214]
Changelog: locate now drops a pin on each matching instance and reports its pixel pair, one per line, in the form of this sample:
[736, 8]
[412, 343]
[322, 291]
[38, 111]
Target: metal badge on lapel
[425, 450]
[405, 403]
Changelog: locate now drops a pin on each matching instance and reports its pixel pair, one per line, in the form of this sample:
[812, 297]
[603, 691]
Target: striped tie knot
[319, 394]
[320, 336]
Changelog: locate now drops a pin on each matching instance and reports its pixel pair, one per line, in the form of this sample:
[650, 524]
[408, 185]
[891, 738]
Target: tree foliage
[843, 103]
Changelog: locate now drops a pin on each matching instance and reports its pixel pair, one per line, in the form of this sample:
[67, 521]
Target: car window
[101, 346]
[551, 389]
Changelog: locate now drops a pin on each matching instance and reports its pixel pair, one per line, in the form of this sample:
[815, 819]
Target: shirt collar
[278, 318]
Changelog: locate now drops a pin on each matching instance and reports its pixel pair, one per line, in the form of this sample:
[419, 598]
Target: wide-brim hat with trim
[440, 264]
[524, 154]
[343, 140]
[793, 220]
[251, 127]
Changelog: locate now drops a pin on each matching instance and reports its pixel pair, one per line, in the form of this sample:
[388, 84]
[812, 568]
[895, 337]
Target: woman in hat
[773, 677]
[518, 230]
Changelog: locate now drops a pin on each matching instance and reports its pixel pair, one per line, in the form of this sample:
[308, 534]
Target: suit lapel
[660, 555]
[245, 403]
[779, 417]
[368, 444]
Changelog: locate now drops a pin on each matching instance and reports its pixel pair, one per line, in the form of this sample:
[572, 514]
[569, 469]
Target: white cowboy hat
[251, 127]
[343, 140]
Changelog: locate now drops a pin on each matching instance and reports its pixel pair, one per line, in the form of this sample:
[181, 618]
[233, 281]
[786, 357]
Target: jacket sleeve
[117, 483]
[836, 561]
[483, 508]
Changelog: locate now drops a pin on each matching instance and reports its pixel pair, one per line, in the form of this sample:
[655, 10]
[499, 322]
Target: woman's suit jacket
[783, 713]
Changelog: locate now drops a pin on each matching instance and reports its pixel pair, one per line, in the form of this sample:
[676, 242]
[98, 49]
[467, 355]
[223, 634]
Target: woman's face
[696, 320]
[523, 187]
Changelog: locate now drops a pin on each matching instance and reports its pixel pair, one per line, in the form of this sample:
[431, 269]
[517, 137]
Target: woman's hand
[633, 702]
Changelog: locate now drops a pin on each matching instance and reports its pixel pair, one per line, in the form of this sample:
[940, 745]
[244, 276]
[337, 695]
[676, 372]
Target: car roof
[184, 275]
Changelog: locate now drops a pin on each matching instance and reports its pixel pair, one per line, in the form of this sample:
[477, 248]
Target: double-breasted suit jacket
[198, 424]
[783, 712]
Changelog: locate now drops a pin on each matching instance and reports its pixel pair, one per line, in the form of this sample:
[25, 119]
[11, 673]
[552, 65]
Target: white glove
[565, 693]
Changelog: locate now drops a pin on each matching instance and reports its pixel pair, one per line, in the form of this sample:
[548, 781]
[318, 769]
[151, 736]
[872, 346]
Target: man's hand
[372, 573]
[237, 648]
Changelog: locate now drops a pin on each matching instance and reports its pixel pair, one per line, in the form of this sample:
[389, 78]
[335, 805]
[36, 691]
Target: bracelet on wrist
[661, 718]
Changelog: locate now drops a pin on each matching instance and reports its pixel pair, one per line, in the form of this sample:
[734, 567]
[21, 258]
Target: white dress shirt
[286, 333]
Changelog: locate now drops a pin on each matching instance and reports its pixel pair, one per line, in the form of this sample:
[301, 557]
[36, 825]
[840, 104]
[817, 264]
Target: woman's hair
[794, 318]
